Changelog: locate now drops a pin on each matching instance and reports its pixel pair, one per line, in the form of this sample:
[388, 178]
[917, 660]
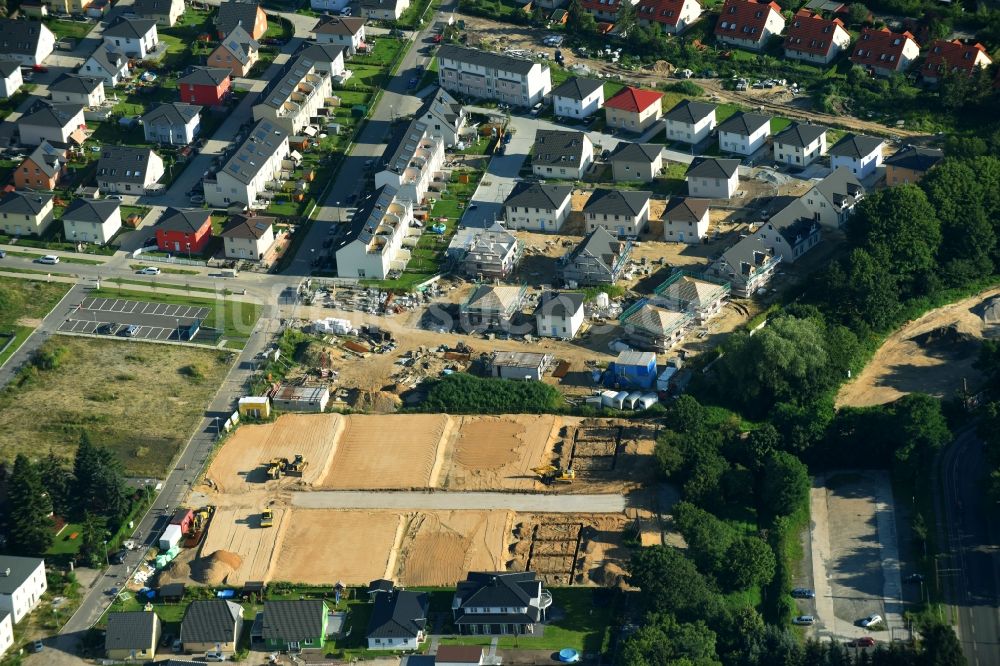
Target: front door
[681, 235]
[177, 246]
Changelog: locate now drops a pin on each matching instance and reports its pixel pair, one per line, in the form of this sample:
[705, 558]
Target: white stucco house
[800, 144]
[91, 220]
[174, 123]
[860, 154]
[133, 37]
[690, 122]
[833, 199]
[10, 77]
[713, 178]
[27, 42]
[248, 237]
[537, 206]
[373, 246]
[685, 220]
[22, 584]
[623, 213]
[744, 133]
[578, 97]
[559, 314]
[108, 64]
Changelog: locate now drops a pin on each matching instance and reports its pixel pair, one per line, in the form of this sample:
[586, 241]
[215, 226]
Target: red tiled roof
[632, 99]
[667, 12]
[744, 19]
[880, 48]
[602, 6]
[811, 33]
[956, 54]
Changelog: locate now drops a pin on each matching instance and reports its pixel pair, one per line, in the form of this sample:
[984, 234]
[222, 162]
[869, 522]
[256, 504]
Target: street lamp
[107, 562]
[340, 214]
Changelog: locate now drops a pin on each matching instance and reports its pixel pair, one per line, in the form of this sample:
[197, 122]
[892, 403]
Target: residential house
[88, 91]
[600, 258]
[55, 123]
[248, 237]
[500, 603]
[701, 298]
[414, 159]
[329, 6]
[43, 169]
[398, 620]
[493, 76]
[622, 212]
[132, 636]
[294, 624]
[246, 13]
[22, 582]
[748, 266]
[604, 10]
[164, 12]
[211, 625]
[75, 7]
[91, 220]
[792, 231]
[34, 8]
[633, 109]
[749, 24]
[577, 97]
[6, 632]
[253, 165]
[128, 170]
[301, 398]
[537, 207]
[135, 38]
[860, 154]
[883, 52]
[910, 163]
[636, 161]
[373, 246]
[953, 56]
[815, 39]
[832, 200]
[10, 78]
[294, 96]
[459, 655]
[443, 116]
[346, 31]
[690, 122]
[744, 133]
[326, 58]
[205, 86]
[184, 230]
[107, 64]
[800, 144]
[386, 10]
[485, 253]
[174, 123]
[27, 42]
[561, 154]
[713, 178]
[559, 314]
[651, 327]
[526, 366]
[238, 52]
[493, 306]
[685, 220]
[673, 16]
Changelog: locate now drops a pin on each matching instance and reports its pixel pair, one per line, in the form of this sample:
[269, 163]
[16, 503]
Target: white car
[115, 197]
[871, 620]
[48, 259]
[215, 656]
[150, 270]
[804, 620]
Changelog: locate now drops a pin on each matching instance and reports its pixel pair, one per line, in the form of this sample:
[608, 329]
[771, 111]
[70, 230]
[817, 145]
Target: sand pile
[948, 339]
[377, 402]
[214, 569]
[663, 67]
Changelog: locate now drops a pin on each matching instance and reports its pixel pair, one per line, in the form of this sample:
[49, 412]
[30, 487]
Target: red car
[438, 38]
[39, 68]
[864, 641]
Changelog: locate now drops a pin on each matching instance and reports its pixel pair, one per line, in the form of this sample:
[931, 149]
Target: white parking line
[145, 308]
[134, 304]
[164, 334]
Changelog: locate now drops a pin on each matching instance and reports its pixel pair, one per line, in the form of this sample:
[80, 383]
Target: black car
[119, 557]
[108, 328]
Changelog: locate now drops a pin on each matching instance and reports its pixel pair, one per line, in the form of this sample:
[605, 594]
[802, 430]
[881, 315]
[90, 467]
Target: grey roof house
[91, 220]
[23, 214]
[600, 258]
[132, 636]
[128, 170]
[537, 206]
[500, 603]
[442, 115]
[77, 89]
[294, 624]
[485, 253]
[833, 199]
[211, 625]
[800, 144]
[636, 161]
[561, 154]
[577, 97]
[621, 212]
[164, 12]
[174, 123]
[398, 620]
[690, 122]
[858, 153]
[713, 178]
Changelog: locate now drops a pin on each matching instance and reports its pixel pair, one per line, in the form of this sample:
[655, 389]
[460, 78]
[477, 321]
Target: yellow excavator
[549, 474]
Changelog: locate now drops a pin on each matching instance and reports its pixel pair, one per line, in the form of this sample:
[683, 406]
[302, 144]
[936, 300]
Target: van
[229, 273]
[48, 259]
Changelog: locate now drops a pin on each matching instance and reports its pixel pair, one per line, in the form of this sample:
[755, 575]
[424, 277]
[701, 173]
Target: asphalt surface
[971, 571]
[459, 501]
[156, 321]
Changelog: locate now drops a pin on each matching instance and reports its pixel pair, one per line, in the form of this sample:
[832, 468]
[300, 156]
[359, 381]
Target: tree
[625, 18]
[940, 646]
[862, 291]
[857, 13]
[579, 21]
[670, 580]
[58, 481]
[761, 443]
[99, 482]
[93, 534]
[802, 426]
[30, 525]
[750, 562]
[664, 640]
[921, 427]
[708, 538]
[785, 485]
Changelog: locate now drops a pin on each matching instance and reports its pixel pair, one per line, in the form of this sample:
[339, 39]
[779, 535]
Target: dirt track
[326, 499]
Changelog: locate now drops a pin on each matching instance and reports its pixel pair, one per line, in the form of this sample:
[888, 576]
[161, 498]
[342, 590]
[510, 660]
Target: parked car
[803, 593]
[119, 557]
[871, 620]
[914, 578]
[215, 656]
[37, 646]
[3, 253]
[197, 199]
[804, 620]
[48, 259]
[346, 11]
[109, 328]
[150, 270]
[864, 641]
[114, 197]
[130, 331]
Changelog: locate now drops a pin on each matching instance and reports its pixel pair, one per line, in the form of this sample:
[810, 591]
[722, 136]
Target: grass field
[142, 400]
[22, 301]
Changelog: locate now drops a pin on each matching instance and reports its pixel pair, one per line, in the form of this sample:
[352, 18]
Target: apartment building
[252, 166]
[493, 76]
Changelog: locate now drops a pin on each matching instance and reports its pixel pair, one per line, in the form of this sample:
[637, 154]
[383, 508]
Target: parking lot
[114, 316]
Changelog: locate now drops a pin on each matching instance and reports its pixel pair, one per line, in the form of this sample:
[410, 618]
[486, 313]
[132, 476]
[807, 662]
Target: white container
[170, 537]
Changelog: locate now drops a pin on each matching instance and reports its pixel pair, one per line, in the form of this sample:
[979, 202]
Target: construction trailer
[170, 538]
[303, 398]
[255, 407]
[632, 370]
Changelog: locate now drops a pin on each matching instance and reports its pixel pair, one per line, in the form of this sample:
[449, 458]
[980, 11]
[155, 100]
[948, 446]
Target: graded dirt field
[933, 354]
[237, 530]
[240, 465]
[442, 547]
[500, 451]
[139, 399]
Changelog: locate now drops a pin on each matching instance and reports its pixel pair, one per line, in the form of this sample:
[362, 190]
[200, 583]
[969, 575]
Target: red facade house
[184, 230]
[206, 86]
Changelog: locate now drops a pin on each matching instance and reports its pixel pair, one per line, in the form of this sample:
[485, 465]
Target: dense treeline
[462, 393]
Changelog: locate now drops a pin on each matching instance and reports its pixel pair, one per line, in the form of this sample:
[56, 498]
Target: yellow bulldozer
[276, 467]
[297, 466]
[549, 474]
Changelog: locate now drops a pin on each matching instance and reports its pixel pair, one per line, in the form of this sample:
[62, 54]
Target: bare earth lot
[141, 400]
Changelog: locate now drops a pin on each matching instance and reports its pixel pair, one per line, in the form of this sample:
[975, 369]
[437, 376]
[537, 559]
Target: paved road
[971, 572]
[547, 503]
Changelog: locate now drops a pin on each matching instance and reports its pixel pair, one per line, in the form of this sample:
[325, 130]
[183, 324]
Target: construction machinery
[297, 466]
[276, 467]
[267, 518]
[549, 474]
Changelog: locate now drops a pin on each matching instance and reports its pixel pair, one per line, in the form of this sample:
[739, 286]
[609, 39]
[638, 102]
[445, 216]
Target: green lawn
[73, 29]
[19, 335]
[26, 299]
[63, 545]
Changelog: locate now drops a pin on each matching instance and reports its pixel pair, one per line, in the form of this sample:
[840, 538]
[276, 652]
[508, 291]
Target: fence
[168, 260]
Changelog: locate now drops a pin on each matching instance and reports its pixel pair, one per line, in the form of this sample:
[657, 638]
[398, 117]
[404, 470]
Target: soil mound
[947, 339]
[214, 569]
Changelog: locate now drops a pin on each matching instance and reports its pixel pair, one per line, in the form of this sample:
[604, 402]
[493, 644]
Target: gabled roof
[488, 59]
[794, 221]
[49, 159]
[537, 195]
[443, 107]
[632, 99]
[398, 614]
[240, 44]
[124, 164]
[601, 245]
[264, 141]
[8, 67]
[636, 152]
[210, 621]
[667, 12]
[689, 112]
[247, 226]
[110, 58]
[236, 12]
[205, 76]
[880, 48]
[494, 240]
[915, 158]
[745, 19]
[799, 135]
[369, 215]
[954, 55]
[346, 26]
[75, 83]
[841, 188]
[21, 36]
[712, 167]
[500, 589]
[560, 303]
[495, 298]
[811, 33]
[95, 211]
[171, 113]
[129, 28]
[743, 123]
[747, 257]
[559, 148]
[185, 220]
[20, 567]
[130, 631]
[155, 7]
[577, 88]
[855, 146]
[51, 115]
[655, 319]
[293, 620]
[693, 292]
[312, 53]
[685, 209]
[617, 202]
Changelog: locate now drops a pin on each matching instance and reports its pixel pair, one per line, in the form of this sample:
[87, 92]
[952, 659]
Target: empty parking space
[114, 316]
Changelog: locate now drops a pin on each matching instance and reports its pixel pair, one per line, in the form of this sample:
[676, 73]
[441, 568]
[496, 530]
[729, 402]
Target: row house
[373, 246]
[293, 97]
[537, 206]
[749, 24]
[493, 76]
[673, 16]
[255, 163]
[883, 52]
[690, 122]
[814, 39]
[414, 160]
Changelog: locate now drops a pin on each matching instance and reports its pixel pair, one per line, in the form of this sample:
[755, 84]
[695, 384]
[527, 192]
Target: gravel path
[554, 503]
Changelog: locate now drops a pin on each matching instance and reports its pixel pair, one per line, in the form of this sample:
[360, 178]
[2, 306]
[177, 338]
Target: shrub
[462, 393]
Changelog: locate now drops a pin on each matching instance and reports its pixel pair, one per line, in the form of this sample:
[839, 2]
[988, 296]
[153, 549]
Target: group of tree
[462, 393]
[989, 423]
[93, 491]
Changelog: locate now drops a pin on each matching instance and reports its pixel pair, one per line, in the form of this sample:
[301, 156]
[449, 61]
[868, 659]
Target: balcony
[545, 599]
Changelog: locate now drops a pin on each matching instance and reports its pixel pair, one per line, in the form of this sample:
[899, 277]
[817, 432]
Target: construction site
[319, 498]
